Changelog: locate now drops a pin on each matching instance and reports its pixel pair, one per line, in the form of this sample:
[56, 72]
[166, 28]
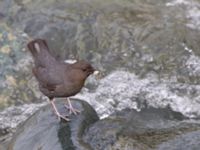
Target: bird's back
[47, 70]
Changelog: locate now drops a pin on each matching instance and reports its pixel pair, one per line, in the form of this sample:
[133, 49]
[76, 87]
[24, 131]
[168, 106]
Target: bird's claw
[62, 117]
[57, 113]
[72, 110]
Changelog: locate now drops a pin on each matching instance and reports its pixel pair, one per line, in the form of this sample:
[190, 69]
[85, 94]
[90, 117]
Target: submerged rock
[44, 131]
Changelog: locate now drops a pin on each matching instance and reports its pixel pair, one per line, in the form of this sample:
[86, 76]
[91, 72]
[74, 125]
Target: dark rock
[189, 141]
[12, 117]
[44, 131]
[4, 141]
[147, 129]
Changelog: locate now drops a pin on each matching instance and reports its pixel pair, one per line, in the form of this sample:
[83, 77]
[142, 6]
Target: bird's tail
[40, 52]
[37, 46]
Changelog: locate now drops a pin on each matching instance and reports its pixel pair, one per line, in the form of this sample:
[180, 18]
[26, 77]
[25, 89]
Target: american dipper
[56, 78]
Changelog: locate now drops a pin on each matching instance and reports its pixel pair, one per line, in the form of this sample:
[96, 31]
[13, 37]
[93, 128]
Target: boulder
[45, 132]
[149, 129]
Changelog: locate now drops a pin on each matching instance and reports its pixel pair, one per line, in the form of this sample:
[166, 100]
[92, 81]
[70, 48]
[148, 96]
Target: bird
[57, 78]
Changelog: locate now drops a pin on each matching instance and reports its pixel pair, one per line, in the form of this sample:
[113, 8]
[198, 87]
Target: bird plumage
[57, 79]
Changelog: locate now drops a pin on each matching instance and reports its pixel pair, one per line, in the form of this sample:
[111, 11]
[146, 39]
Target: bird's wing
[48, 77]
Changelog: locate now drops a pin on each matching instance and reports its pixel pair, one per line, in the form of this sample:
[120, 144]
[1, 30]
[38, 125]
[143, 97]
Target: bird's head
[84, 68]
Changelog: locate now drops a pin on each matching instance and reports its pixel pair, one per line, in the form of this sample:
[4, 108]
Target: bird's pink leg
[57, 113]
[71, 108]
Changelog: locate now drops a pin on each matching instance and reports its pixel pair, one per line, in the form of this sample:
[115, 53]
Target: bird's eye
[84, 70]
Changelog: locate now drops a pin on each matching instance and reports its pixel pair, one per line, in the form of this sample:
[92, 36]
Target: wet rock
[44, 131]
[148, 129]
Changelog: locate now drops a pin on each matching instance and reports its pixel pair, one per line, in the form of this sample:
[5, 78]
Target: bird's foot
[72, 110]
[57, 113]
[62, 117]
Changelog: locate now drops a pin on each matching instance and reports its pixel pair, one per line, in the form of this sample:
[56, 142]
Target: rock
[188, 141]
[111, 35]
[123, 89]
[141, 37]
[18, 86]
[115, 34]
[11, 117]
[148, 129]
[44, 131]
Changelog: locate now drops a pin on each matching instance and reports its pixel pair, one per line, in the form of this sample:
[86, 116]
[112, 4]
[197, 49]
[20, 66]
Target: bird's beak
[96, 73]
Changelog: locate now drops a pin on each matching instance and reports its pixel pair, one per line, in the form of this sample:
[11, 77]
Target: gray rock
[137, 35]
[12, 117]
[18, 85]
[189, 141]
[144, 130]
[44, 131]
[142, 36]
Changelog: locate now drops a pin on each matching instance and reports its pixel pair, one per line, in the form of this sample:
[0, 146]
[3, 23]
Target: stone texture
[145, 130]
[44, 131]
[17, 86]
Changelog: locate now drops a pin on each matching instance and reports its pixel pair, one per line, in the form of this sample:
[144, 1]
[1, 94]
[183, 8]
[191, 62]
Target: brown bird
[56, 78]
